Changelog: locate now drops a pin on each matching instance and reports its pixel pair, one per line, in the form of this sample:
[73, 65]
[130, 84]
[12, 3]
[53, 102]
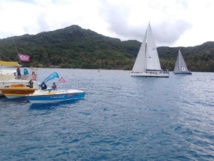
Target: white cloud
[174, 22]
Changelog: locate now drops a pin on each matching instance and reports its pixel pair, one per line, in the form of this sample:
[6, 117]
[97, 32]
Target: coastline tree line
[74, 47]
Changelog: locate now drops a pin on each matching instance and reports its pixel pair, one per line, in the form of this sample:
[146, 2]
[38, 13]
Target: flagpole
[16, 50]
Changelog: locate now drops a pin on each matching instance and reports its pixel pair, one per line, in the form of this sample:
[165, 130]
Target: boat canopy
[9, 63]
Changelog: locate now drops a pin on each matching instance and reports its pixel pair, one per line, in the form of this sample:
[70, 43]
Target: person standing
[18, 71]
[34, 75]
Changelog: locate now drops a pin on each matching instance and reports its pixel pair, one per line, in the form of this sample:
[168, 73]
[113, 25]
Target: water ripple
[121, 118]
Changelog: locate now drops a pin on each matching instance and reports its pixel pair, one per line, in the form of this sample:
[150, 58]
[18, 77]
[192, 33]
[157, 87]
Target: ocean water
[121, 118]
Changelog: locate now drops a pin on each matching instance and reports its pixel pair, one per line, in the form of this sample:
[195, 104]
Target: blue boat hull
[55, 98]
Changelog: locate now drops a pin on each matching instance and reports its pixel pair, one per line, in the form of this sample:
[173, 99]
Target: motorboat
[54, 96]
[17, 91]
[8, 75]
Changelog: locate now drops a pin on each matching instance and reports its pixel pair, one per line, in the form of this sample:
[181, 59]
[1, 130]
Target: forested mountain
[197, 58]
[74, 47]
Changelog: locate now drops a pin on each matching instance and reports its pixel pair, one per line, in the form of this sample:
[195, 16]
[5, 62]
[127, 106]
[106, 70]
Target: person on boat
[18, 73]
[54, 87]
[43, 86]
[26, 74]
[30, 84]
[34, 75]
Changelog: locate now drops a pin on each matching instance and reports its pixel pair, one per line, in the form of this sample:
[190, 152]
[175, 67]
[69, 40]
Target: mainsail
[180, 65]
[153, 62]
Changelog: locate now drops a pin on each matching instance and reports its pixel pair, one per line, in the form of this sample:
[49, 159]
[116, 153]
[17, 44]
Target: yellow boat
[17, 90]
[8, 75]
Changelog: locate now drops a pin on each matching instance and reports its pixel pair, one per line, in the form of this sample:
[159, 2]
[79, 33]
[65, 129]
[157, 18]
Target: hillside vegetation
[74, 47]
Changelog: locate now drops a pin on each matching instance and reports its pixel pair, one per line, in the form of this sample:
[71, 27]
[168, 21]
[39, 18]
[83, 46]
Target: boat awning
[9, 63]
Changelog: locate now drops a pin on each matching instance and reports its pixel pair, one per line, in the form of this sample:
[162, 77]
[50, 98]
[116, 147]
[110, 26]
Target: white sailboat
[147, 63]
[180, 65]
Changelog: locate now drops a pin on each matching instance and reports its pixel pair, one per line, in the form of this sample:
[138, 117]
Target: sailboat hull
[185, 73]
[159, 75]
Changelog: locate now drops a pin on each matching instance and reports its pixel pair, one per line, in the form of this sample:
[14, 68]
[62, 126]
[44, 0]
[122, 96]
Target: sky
[174, 22]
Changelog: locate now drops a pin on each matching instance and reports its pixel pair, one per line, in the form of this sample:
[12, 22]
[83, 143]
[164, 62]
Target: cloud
[174, 22]
[167, 33]
[130, 21]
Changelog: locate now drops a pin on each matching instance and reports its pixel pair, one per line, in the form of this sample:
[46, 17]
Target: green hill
[197, 58]
[74, 47]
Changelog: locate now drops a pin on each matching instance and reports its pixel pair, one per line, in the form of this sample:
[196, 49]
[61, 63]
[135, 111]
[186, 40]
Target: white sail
[147, 63]
[153, 62]
[140, 62]
[180, 65]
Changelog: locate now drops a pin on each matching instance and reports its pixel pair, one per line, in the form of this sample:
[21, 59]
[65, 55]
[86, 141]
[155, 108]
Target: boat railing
[7, 77]
[10, 76]
[157, 71]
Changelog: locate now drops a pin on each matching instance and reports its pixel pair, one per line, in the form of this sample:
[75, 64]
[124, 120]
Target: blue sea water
[121, 118]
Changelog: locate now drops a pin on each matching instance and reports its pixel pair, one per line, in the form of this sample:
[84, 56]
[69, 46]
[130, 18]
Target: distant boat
[180, 65]
[147, 63]
[54, 96]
